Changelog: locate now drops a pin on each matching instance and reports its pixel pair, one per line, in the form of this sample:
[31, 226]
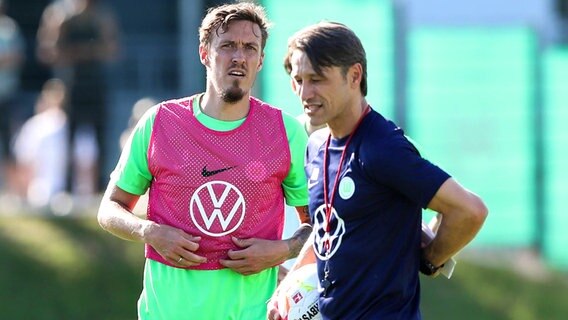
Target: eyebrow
[254, 44]
[310, 73]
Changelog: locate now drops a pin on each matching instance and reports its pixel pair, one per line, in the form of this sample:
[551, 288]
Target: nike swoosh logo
[311, 183]
[207, 173]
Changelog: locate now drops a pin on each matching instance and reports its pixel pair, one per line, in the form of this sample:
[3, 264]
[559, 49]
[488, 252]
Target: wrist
[146, 230]
[427, 267]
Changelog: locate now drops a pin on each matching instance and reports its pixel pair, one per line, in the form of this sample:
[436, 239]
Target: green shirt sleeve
[295, 185]
[132, 173]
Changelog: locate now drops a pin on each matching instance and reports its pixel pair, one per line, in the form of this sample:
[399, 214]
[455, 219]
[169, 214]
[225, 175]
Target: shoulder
[178, 101]
[175, 104]
[146, 121]
[291, 124]
[382, 129]
[376, 124]
[382, 140]
[150, 113]
[264, 106]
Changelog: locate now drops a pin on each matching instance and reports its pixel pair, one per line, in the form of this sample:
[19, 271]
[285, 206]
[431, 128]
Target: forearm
[463, 214]
[122, 223]
[454, 233]
[298, 239]
[115, 215]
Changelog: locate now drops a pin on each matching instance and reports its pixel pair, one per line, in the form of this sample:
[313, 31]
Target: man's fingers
[239, 266]
[232, 264]
[243, 253]
[273, 313]
[237, 254]
[179, 248]
[188, 259]
[242, 243]
[191, 243]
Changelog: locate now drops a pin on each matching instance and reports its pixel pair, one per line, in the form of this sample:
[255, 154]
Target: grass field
[68, 268]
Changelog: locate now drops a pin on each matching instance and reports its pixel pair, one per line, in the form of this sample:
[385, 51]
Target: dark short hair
[218, 19]
[329, 44]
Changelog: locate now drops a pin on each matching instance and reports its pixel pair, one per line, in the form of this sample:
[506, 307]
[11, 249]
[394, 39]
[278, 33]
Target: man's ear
[203, 55]
[261, 62]
[293, 84]
[355, 75]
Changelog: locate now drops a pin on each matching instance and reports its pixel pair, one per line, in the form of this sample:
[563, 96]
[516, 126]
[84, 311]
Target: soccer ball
[298, 294]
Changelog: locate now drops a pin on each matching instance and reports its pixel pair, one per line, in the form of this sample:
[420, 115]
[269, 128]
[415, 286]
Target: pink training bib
[218, 184]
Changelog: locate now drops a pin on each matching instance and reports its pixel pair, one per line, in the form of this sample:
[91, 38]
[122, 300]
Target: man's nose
[305, 92]
[238, 56]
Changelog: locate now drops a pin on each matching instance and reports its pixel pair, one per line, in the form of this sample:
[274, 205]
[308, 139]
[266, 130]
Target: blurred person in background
[138, 109]
[78, 38]
[41, 148]
[11, 59]
[48, 33]
[220, 167]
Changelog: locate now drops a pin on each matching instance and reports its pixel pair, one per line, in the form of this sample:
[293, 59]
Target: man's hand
[256, 255]
[272, 312]
[174, 245]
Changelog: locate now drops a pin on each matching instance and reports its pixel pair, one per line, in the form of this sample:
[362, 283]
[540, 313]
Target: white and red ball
[298, 294]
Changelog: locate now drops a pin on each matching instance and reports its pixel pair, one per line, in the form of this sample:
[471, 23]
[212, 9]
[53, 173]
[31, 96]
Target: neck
[344, 124]
[213, 106]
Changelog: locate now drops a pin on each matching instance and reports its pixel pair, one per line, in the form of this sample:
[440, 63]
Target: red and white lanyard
[328, 201]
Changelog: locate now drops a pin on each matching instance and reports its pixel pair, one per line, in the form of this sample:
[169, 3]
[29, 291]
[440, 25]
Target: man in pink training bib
[220, 167]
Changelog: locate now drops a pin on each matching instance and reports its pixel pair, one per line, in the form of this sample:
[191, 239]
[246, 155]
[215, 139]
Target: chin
[232, 95]
[314, 120]
[318, 124]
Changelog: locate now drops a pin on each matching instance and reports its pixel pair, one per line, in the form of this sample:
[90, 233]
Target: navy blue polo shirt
[375, 221]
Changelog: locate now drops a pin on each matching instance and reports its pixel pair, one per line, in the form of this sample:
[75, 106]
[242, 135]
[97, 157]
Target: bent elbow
[102, 214]
[479, 211]
[101, 219]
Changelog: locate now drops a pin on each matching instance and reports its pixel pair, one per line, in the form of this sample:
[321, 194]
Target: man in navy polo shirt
[368, 185]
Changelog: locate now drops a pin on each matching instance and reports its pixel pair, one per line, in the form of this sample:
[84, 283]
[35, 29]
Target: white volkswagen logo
[228, 208]
[333, 238]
